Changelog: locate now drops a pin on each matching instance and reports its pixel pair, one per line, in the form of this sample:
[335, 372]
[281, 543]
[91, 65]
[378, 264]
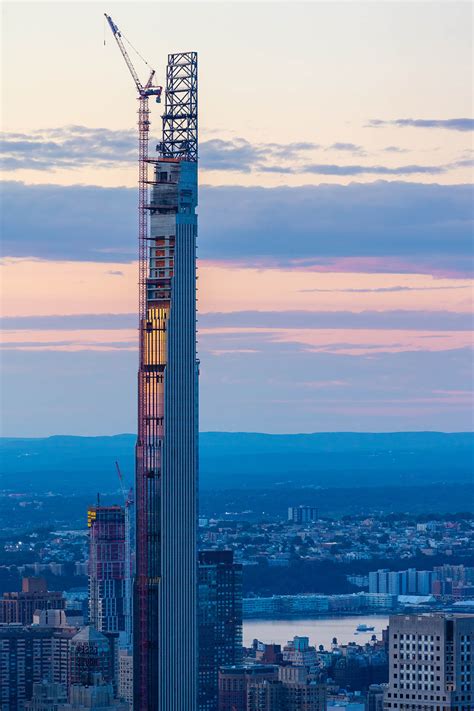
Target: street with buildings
[52, 657]
[74, 607]
[73, 648]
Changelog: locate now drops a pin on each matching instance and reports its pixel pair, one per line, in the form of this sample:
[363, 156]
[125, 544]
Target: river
[319, 631]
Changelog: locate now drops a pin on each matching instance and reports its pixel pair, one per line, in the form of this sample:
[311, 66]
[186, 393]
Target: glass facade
[219, 621]
[107, 568]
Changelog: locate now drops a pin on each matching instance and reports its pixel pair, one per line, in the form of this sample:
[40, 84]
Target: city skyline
[291, 384]
[360, 320]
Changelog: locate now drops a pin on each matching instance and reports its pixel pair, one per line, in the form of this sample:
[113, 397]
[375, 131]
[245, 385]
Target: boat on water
[364, 628]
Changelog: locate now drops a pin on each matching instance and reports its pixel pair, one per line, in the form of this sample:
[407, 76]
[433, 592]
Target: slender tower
[165, 634]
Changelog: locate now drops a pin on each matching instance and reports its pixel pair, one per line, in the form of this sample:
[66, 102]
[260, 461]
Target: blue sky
[335, 243]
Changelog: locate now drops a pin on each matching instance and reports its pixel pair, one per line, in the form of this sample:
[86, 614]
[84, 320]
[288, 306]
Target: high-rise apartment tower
[165, 623]
[219, 621]
[431, 663]
[107, 573]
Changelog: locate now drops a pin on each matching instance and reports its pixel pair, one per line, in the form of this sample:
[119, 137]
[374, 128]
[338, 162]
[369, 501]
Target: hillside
[253, 460]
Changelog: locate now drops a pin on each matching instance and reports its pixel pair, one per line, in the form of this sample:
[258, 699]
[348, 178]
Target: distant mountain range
[248, 460]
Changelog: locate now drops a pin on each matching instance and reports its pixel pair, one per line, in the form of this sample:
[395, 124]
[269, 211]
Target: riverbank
[320, 630]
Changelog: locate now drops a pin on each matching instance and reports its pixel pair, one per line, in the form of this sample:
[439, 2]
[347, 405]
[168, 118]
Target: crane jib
[143, 91]
[112, 24]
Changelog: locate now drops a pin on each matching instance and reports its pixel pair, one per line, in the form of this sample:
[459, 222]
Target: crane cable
[129, 43]
[135, 50]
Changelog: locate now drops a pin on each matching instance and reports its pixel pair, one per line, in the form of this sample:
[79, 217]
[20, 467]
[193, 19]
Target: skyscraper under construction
[165, 635]
[107, 568]
[164, 612]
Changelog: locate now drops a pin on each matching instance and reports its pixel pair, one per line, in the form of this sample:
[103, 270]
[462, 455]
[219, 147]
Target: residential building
[47, 696]
[431, 663]
[107, 578]
[61, 633]
[94, 694]
[314, 605]
[165, 600]
[234, 680]
[284, 605]
[25, 659]
[266, 695]
[18, 607]
[51, 650]
[219, 621]
[462, 591]
[425, 580]
[125, 683]
[374, 698]
[302, 514]
[294, 690]
[30, 654]
[402, 582]
[299, 653]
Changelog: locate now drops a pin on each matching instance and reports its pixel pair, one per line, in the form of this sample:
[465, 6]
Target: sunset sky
[335, 216]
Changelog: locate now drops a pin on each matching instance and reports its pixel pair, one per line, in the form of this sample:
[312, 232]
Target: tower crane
[148, 89]
[127, 498]
[122, 488]
[144, 93]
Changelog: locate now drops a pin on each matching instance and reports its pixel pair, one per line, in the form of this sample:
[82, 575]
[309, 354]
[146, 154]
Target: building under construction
[164, 617]
[165, 646]
[107, 568]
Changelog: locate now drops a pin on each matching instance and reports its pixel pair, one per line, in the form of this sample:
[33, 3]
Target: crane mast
[144, 92]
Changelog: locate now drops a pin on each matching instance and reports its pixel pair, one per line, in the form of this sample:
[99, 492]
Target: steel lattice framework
[180, 120]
